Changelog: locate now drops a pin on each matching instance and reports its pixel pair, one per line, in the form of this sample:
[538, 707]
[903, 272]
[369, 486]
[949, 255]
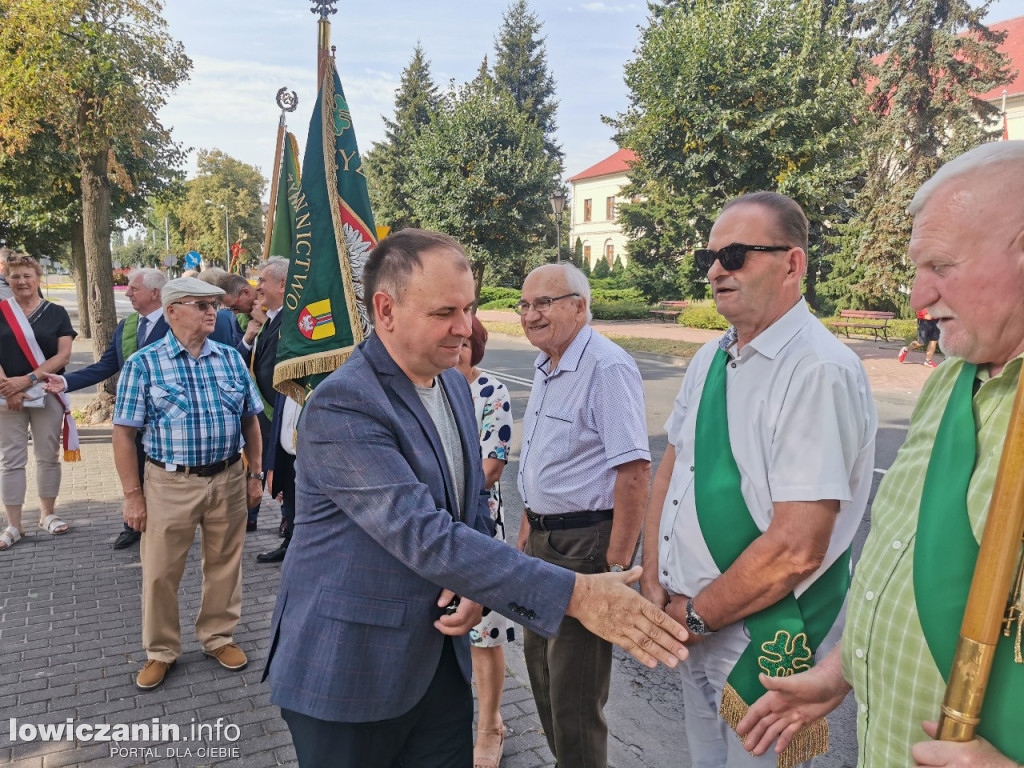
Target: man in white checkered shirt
[583, 476]
[968, 246]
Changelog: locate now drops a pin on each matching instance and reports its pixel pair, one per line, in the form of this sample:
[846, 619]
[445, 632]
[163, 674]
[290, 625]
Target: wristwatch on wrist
[694, 623]
[616, 568]
[261, 476]
[33, 378]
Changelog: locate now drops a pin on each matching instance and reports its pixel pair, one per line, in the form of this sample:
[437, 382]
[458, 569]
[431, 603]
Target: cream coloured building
[596, 193]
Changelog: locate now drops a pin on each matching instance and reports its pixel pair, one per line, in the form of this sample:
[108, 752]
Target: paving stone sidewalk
[70, 644]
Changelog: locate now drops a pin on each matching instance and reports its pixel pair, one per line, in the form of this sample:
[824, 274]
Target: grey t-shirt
[437, 405]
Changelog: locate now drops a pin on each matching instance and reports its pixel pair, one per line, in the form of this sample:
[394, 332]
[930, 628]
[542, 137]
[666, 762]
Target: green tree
[601, 269]
[224, 186]
[521, 68]
[480, 173]
[925, 61]
[97, 72]
[388, 163]
[727, 98]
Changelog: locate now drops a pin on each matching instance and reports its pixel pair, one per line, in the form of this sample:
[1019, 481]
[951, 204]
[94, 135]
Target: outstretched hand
[606, 605]
[791, 704]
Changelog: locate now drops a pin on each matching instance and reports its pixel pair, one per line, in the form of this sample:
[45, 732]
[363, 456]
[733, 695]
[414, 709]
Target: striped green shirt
[885, 656]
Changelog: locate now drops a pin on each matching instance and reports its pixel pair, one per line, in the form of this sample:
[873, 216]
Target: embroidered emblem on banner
[316, 321]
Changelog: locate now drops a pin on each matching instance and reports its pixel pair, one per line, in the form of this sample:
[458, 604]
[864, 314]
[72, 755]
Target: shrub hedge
[702, 314]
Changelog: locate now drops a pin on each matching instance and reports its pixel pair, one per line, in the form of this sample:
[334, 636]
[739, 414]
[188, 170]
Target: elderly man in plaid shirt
[194, 400]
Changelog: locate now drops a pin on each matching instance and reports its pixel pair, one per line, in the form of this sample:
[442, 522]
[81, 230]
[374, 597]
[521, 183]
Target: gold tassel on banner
[808, 743]
[75, 455]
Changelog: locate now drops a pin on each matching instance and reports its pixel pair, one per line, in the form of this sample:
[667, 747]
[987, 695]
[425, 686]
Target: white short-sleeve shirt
[801, 426]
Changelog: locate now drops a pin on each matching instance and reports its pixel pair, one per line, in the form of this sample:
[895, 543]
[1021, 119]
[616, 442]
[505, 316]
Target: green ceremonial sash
[130, 336]
[783, 636]
[945, 552]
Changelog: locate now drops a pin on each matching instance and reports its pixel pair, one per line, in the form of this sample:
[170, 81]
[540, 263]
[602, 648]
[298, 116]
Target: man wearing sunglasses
[763, 485]
[194, 402]
[583, 477]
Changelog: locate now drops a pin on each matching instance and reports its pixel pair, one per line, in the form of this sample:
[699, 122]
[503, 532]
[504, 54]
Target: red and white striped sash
[26, 339]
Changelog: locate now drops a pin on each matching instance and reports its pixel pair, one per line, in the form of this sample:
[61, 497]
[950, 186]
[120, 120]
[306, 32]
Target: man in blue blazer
[144, 326]
[368, 660]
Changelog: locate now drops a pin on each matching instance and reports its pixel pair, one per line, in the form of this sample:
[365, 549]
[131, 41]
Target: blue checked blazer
[352, 637]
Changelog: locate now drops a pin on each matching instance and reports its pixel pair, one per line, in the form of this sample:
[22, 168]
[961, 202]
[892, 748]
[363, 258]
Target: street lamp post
[557, 206]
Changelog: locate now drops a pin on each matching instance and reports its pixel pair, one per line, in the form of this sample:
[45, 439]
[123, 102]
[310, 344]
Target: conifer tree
[521, 68]
[926, 63]
[388, 162]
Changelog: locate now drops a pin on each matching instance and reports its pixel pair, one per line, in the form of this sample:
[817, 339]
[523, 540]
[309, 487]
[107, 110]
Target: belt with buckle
[206, 470]
[583, 519]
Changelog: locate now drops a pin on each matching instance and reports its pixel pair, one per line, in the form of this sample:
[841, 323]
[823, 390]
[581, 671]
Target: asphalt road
[645, 709]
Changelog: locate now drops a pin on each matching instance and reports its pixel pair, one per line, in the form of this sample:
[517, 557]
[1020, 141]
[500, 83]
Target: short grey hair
[153, 279]
[233, 285]
[4, 254]
[214, 276]
[994, 156]
[575, 281]
[278, 267]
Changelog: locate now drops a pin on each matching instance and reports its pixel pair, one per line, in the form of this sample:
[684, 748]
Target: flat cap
[180, 287]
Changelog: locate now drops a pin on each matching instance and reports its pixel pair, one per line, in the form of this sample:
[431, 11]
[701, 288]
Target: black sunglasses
[732, 256]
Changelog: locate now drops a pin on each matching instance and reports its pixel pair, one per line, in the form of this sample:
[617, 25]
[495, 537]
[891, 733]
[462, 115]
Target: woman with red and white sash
[35, 340]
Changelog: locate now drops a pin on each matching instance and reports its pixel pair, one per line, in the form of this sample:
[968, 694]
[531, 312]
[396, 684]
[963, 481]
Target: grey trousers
[570, 672]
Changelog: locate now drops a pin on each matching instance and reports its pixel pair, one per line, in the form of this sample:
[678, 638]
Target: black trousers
[436, 733]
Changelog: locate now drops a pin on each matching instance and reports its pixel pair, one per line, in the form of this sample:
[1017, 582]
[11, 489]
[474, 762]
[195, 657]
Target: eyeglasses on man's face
[732, 257]
[202, 306]
[542, 304]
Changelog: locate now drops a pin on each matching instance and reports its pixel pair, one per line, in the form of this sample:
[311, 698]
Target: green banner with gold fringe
[332, 235]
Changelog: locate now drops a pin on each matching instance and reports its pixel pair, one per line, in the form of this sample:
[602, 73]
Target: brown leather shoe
[230, 656]
[152, 674]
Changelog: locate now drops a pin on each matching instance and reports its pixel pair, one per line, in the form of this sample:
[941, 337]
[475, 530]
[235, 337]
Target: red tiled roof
[1013, 47]
[620, 162]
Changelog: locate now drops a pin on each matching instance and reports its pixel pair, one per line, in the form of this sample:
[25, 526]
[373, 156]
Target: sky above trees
[244, 51]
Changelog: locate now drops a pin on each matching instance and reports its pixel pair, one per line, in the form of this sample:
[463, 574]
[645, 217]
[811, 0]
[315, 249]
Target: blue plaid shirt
[189, 408]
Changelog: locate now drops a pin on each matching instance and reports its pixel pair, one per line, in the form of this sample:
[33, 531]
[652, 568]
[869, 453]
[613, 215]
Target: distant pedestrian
[194, 401]
[927, 337]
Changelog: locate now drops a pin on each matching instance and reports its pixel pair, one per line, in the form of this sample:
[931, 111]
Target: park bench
[669, 311]
[876, 323]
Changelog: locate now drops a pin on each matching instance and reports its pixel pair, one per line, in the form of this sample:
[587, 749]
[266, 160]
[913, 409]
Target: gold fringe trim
[286, 372]
[73, 455]
[809, 742]
[330, 158]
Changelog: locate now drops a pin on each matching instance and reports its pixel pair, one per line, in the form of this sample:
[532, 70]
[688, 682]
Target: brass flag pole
[288, 101]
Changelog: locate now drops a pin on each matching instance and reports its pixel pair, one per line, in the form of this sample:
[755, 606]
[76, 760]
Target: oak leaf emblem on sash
[785, 655]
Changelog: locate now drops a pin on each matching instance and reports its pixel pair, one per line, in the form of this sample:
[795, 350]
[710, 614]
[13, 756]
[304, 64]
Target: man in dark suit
[140, 329]
[369, 661]
[259, 350]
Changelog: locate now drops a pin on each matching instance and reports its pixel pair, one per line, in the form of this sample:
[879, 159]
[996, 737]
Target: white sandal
[9, 536]
[51, 523]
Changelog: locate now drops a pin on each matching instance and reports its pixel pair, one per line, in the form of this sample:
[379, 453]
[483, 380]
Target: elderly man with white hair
[910, 587]
[144, 326]
[194, 402]
[583, 476]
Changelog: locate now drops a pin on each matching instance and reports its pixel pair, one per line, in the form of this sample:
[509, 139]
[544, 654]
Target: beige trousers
[176, 505]
[47, 423]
